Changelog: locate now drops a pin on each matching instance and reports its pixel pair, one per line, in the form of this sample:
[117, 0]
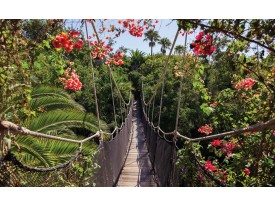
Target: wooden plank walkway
[137, 171]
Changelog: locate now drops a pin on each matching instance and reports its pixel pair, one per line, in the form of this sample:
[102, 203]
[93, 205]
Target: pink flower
[216, 143]
[71, 63]
[245, 84]
[73, 82]
[246, 171]
[206, 129]
[209, 166]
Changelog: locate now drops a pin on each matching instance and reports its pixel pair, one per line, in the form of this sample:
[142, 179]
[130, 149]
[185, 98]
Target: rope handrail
[13, 128]
[270, 124]
[12, 157]
[24, 131]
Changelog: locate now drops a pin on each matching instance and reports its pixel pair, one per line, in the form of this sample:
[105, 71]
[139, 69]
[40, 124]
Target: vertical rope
[174, 155]
[108, 66]
[148, 112]
[164, 75]
[180, 88]
[93, 76]
[121, 113]
[113, 100]
[2, 131]
[162, 78]
[153, 108]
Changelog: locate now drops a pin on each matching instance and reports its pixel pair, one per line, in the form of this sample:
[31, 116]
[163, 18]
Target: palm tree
[57, 114]
[165, 44]
[137, 59]
[179, 49]
[123, 49]
[151, 36]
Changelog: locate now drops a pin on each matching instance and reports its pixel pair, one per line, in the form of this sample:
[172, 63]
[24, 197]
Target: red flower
[202, 45]
[246, 171]
[216, 143]
[209, 166]
[245, 84]
[206, 129]
[213, 104]
[74, 33]
[228, 147]
[62, 41]
[56, 44]
[73, 82]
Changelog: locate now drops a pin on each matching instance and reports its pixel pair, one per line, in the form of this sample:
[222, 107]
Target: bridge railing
[109, 158]
[163, 149]
[112, 154]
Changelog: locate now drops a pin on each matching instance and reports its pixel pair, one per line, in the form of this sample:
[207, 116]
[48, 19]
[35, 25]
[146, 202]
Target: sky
[166, 28]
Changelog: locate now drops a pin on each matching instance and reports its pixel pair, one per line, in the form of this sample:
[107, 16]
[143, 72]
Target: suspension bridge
[138, 153]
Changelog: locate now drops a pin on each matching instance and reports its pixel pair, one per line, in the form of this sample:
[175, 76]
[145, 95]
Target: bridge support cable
[178, 112]
[180, 88]
[153, 108]
[164, 75]
[93, 77]
[113, 100]
[109, 68]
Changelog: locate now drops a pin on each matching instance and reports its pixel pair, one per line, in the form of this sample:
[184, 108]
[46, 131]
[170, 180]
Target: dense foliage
[228, 82]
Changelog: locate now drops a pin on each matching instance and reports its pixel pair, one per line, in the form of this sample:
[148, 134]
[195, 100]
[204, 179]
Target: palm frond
[62, 119]
[52, 98]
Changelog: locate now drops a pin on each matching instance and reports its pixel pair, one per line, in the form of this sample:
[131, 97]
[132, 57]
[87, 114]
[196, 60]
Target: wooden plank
[137, 171]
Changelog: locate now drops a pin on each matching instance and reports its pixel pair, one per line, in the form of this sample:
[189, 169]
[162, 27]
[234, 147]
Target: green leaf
[270, 161]
[37, 65]
[25, 65]
[3, 76]
[46, 44]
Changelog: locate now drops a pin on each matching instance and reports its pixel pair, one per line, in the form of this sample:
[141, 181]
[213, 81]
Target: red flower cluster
[222, 175]
[206, 129]
[246, 171]
[216, 143]
[228, 147]
[209, 166]
[71, 82]
[116, 59]
[135, 29]
[213, 104]
[245, 84]
[202, 44]
[67, 42]
[100, 49]
[273, 133]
